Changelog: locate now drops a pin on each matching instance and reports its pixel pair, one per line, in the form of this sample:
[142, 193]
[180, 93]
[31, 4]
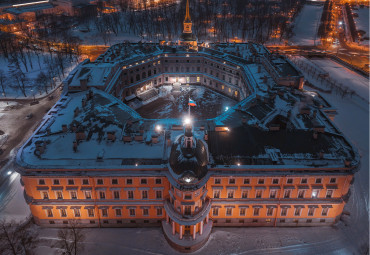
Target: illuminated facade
[187, 37]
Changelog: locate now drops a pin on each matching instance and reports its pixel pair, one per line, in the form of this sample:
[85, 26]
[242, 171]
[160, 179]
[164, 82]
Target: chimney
[127, 138]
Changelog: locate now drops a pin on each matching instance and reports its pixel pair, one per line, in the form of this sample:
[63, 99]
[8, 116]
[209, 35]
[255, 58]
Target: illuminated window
[45, 195]
[50, 212]
[198, 79]
[216, 194]
[222, 87]
[236, 93]
[217, 181]
[63, 212]
[87, 194]
[315, 193]
[256, 211]
[229, 211]
[187, 79]
[229, 90]
[215, 211]
[76, 212]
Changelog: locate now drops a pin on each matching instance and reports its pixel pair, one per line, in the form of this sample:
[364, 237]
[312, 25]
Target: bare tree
[70, 239]
[3, 80]
[17, 238]
[42, 80]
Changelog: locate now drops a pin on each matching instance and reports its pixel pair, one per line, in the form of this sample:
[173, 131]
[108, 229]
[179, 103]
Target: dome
[189, 162]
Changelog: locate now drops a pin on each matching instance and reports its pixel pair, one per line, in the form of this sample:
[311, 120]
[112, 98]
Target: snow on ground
[306, 25]
[362, 22]
[345, 76]
[32, 88]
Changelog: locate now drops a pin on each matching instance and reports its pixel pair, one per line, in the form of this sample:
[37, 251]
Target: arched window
[138, 77]
[143, 75]
[149, 73]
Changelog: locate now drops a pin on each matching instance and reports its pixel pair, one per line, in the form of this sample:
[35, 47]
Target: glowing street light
[158, 128]
[9, 172]
[226, 108]
[187, 121]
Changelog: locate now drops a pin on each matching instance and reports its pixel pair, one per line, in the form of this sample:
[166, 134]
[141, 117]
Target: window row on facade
[101, 194]
[277, 180]
[262, 211]
[274, 192]
[105, 211]
[100, 181]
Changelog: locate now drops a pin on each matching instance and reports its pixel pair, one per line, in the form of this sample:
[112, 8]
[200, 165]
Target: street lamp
[7, 103]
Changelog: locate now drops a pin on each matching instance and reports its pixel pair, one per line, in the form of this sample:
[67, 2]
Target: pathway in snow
[306, 25]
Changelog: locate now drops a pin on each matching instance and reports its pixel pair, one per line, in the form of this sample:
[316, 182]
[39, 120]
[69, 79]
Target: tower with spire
[187, 37]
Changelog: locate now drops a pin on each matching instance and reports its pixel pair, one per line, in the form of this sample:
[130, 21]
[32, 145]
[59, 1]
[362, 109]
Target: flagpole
[189, 106]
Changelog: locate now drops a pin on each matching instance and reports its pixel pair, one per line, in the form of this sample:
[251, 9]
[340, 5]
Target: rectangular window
[144, 194]
[215, 211]
[130, 194]
[230, 194]
[73, 195]
[100, 182]
[318, 180]
[275, 181]
[270, 211]
[246, 181]
[261, 181]
[325, 211]
[187, 196]
[297, 211]
[216, 194]
[50, 212]
[77, 213]
[87, 194]
[333, 180]
[159, 211]
[132, 212]
[104, 212]
[284, 211]
[301, 193]
[229, 211]
[145, 211]
[187, 210]
[56, 182]
[256, 211]
[287, 193]
[315, 193]
[232, 181]
[118, 212]
[102, 194]
[45, 195]
[217, 181]
[259, 193]
[242, 211]
[289, 181]
[85, 181]
[158, 181]
[41, 182]
[129, 181]
[71, 182]
[245, 194]
[63, 213]
[273, 194]
[59, 195]
[116, 194]
[90, 212]
[114, 181]
[143, 181]
[311, 211]
[304, 180]
[158, 194]
[329, 193]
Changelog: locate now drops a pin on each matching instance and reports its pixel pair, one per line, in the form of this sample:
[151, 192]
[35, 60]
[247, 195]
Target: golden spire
[187, 16]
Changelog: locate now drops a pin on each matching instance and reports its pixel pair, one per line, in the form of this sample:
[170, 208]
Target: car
[29, 116]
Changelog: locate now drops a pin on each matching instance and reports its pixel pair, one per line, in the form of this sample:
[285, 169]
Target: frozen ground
[345, 76]
[32, 88]
[306, 25]
[209, 104]
[362, 22]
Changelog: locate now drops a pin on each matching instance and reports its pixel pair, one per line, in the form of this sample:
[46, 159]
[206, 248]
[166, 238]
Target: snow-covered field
[362, 22]
[32, 88]
[345, 76]
[306, 25]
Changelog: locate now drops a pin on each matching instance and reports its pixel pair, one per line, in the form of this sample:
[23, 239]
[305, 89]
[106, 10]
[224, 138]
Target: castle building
[273, 159]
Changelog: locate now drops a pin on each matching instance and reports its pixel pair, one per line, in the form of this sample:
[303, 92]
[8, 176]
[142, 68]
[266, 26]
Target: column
[201, 228]
[173, 228]
[194, 231]
[180, 231]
